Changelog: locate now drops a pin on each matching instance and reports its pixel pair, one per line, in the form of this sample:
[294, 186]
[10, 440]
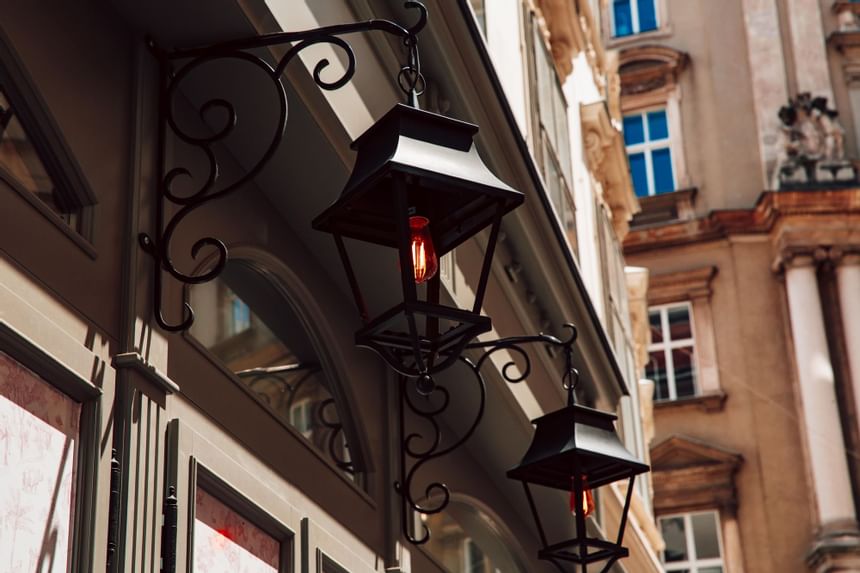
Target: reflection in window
[39, 440]
[23, 169]
[465, 540]
[246, 322]
[480, 15]
[672, 364]
[692, 543]
[225, 542]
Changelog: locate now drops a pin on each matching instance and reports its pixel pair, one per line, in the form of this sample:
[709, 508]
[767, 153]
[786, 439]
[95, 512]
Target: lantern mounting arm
[172, 206]
[417, 449]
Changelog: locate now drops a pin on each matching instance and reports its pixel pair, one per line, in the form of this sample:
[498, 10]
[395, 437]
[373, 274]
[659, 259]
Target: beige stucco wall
[759, 417]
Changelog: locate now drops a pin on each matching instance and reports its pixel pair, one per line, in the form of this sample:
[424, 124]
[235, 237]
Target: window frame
[694, 565]
[206, 479]
[63, 380]
[648, 146]
[32, 112]
[634, 19]
[666, 346]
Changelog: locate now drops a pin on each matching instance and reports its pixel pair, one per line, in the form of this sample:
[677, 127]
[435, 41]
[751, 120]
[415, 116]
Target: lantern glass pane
[676, 539]
[705, 537]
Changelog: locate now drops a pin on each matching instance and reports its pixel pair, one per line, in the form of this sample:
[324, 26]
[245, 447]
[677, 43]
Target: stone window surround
[694, 286]
[657, 86]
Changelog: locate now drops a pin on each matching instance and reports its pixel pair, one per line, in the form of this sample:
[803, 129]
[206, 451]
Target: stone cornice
[689, 475]
[650, 67]
[607, 161]
[684, 285]
[772, 208]
[572, 30]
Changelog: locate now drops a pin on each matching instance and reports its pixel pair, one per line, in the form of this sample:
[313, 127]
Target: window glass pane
[656, 326]
[647, 15]
[639, 174]
[664, 181]
[39, 436]
[634, 130]
[245, 321]
[21, 166]
[658, 127]
[715, 569]
[656, 370]
[705, 535]
[679, 323]
[675, 538]
[474, 558]
[623, 17]
[684, 369]
[225, 542]
[478, 8]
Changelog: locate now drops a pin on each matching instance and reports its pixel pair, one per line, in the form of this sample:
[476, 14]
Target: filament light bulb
[425, 263]
[586, 502]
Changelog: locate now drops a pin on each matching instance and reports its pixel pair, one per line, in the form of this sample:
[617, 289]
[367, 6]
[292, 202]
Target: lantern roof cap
[574, 440]
[436, 163]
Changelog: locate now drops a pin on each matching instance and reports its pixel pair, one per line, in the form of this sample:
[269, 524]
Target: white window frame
[693, 564]
[666, 346]
[634, 15]
[649, 146]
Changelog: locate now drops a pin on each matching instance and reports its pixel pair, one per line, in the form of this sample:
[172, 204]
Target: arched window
[467, 540]
[247, 321]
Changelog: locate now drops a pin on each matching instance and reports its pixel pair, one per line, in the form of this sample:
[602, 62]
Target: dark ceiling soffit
[478, 42]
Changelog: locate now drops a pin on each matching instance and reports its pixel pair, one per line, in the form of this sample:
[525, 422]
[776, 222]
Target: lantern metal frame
[173, 208]
[415, 356]
[573, 449]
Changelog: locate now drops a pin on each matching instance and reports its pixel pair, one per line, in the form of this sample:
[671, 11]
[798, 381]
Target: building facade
[741, 127]
[261, 439]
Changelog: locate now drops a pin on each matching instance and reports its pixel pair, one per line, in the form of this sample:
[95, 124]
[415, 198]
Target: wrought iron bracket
[436, 496]
[172, 207]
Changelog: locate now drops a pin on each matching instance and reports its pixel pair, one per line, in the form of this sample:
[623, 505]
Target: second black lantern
[420, 187]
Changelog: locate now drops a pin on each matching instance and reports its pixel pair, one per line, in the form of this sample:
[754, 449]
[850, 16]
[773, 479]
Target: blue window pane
[623, 17]
[647, 15]
[634, 131]
[658, 126]
[662, 163]
[639, 174]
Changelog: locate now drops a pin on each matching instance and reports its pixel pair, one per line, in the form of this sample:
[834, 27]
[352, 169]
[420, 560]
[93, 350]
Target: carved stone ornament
[812, 149]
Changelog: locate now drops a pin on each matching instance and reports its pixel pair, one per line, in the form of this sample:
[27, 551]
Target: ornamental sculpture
[812, 151]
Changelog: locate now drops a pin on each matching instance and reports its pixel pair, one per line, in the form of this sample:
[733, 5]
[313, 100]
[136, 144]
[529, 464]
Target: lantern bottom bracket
[412, 355]
[605, 551]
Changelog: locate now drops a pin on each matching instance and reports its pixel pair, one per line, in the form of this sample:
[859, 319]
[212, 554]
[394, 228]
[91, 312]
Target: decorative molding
[636, 279]
[607, 161]
[666, 207]
[684, 285]
[135, 362]
[691, 475]
[710, 402]
[650, 68]
[811, 207]
[571, 29]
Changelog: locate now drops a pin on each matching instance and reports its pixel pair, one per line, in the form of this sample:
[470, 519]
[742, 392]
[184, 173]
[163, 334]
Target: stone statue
[812, 150]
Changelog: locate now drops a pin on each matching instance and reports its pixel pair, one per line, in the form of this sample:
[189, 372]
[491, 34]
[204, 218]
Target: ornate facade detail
[812, 150]
[571, 29]
[647, 69]
[607, 161]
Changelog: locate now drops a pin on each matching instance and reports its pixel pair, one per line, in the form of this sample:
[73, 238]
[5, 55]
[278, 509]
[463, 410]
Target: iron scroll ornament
[175, 68]
[437, 495]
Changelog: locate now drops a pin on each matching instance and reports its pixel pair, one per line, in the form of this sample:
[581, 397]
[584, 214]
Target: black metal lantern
[576, 449]
[419, 186]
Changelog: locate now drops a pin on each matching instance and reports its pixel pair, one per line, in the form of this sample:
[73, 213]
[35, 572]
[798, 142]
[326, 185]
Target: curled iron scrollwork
[176, 67]
[437, 495]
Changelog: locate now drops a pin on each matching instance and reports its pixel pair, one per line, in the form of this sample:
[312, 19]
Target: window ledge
[665, 208]
[708, 403]
[621, 41]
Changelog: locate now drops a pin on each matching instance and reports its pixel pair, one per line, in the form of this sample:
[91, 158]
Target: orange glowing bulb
[587, 502]
[425, 263]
